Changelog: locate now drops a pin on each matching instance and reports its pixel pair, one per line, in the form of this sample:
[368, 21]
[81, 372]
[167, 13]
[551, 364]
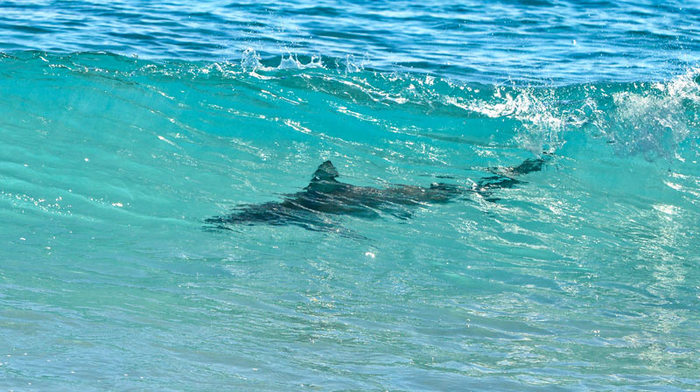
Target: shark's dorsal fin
[325, 172]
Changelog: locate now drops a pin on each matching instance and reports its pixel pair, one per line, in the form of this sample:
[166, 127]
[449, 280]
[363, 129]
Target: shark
[313, 207]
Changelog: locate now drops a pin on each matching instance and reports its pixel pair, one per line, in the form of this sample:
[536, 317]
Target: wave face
[533, 40]
[584, 276]
[126, 127]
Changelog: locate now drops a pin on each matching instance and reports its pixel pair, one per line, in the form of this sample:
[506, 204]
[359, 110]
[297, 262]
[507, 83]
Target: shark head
[325, 172]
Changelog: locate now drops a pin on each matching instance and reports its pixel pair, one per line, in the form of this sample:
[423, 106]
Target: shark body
[325, 196]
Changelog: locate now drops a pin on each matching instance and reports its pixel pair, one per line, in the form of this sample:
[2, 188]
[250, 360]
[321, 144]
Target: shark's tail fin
[508, 177]
[528, 166]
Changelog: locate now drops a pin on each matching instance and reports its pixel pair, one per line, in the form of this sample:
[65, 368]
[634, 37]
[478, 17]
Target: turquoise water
[124, 127]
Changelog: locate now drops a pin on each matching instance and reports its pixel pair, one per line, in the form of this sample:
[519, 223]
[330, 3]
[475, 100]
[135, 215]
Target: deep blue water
[124, 126]
[561, 41]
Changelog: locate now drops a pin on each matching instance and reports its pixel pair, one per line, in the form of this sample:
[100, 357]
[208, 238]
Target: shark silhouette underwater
[325, 196]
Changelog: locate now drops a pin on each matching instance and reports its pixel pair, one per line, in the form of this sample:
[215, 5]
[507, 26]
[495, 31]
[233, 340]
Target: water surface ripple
[557, 40]
[583, 276]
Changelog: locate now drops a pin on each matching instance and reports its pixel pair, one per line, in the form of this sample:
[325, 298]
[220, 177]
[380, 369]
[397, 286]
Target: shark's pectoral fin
[215, 228]
[403, 215]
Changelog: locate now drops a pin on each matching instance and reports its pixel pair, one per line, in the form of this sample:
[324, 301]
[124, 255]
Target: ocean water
[123, 127]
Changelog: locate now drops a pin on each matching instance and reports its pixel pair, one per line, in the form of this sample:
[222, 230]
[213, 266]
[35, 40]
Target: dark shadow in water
[326, 196]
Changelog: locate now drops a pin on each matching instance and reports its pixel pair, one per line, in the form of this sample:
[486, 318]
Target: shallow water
[585, 276]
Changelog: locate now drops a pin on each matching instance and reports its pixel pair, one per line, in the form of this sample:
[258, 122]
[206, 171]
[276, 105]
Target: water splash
[655, 122]
[250, 61]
